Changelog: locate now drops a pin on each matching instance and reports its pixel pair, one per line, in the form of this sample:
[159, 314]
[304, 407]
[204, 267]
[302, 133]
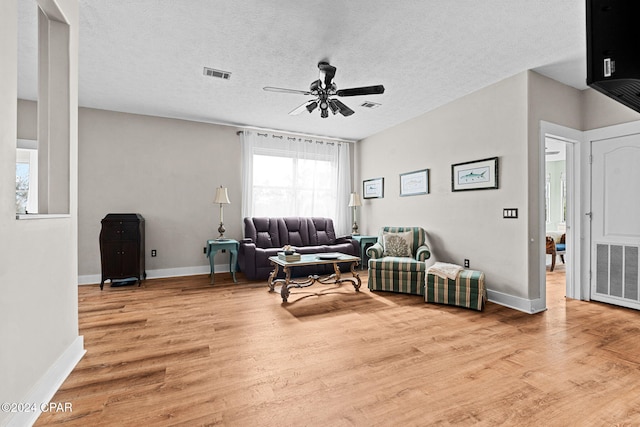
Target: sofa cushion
[397, 264]
[262, 231]
[321, 231]
[294, 231]
[397, 244]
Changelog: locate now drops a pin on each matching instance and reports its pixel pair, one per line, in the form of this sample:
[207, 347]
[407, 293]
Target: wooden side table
[365, 242]
[230, 245]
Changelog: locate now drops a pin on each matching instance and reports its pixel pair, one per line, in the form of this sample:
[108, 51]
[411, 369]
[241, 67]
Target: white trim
[47, 386]
[296, 134]
[517, 303]
[27, 144]
[92, 279]
[42, 216]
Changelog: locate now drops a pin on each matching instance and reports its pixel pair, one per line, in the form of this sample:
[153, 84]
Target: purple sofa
[265, 237]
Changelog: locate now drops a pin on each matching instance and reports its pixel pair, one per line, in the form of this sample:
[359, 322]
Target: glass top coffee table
[334, 258]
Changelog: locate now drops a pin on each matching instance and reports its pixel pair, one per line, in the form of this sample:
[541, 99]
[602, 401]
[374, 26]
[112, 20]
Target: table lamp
[222, 198]
[354, 202]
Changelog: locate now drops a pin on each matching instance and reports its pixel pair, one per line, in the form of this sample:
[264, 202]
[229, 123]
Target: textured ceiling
[147, 56]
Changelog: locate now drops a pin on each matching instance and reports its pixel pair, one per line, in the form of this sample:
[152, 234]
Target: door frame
[575, 195]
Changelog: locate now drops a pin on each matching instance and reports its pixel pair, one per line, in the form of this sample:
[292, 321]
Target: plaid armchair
[396, 260]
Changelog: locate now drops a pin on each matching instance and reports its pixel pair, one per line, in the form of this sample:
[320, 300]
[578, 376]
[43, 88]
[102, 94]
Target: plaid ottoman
[466, 291]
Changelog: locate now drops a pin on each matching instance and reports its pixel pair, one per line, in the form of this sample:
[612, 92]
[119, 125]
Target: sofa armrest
[344, 239]
[375, 251]
[247, 245]
[247, 257]
[423, 253]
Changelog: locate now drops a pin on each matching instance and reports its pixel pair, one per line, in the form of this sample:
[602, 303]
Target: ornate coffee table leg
[336, 270]
[284, 292]
[272, 277]
[356, 275]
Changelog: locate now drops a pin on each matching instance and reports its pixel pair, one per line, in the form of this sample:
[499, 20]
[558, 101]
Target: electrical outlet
[466, 263]
[204, 250]
[154, 252]
[223, 250]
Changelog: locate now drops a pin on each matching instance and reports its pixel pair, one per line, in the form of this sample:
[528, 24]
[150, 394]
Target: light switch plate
[510, 213]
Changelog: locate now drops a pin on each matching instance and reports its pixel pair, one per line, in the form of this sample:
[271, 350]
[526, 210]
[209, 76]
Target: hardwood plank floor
[182, 352]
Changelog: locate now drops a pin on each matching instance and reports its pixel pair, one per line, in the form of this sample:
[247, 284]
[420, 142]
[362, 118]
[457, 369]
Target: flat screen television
[613, 49]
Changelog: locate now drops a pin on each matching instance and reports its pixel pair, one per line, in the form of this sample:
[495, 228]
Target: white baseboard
[517, 303]
[44, 390]
[92, 279]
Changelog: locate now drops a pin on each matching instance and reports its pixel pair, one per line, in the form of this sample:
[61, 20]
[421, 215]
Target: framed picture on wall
[414, 183]
[373, 188]
[475, 175]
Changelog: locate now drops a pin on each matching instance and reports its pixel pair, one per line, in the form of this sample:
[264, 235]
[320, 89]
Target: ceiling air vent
[211, 72]
[369, 104]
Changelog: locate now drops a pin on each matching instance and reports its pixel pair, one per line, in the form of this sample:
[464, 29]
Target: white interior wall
[39, 341]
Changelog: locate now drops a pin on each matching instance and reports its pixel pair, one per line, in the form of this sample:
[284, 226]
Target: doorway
[556, 214]
[560, 194]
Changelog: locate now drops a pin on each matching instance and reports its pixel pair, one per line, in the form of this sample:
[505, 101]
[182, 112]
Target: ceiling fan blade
[365, 90]
[343, 109]
[301, 108]
[283, 90]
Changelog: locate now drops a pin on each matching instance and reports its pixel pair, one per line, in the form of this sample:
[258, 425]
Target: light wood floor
[181, 352]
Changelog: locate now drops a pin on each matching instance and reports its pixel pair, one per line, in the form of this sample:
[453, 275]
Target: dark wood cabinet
[122, 247]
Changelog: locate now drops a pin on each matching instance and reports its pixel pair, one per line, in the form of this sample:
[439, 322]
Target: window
[296, 176]
[282, 185]
[26, 177]
[563, 197]
[547, 198]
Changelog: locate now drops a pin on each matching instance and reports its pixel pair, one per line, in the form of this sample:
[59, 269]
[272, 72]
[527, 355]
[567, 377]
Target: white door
[615, 225]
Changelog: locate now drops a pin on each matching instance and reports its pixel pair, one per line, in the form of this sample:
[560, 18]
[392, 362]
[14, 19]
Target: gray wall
[490, 122]
[501, 120]
[550, 101]
[165, 169]
[601, 111]
[168, 170]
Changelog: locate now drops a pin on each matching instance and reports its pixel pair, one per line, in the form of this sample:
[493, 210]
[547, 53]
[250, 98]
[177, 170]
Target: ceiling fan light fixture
[324, 113]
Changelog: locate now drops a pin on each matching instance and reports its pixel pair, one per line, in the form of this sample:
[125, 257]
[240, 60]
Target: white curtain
[290, 175]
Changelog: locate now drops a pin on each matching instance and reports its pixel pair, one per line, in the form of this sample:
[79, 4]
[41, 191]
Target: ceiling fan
[323, 89]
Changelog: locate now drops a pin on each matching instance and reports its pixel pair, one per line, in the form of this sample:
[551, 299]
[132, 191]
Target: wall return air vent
[212, 72]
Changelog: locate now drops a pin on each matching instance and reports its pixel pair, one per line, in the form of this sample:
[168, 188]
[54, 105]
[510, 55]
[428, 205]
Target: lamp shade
[354, 200]
[222, 196]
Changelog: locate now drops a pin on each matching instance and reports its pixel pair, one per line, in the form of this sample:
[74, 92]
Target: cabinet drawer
[120, 231]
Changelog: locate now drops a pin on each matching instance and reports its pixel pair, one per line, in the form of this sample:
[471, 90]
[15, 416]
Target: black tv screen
[613, 49]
